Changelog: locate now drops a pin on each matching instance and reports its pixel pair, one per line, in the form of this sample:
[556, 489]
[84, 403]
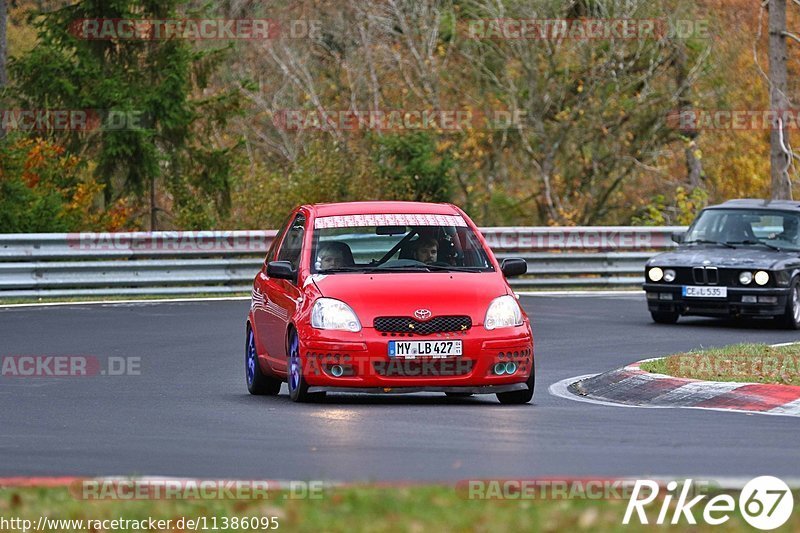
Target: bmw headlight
[328, 313]
[745, 278]
[669, 275]
[761, 277]
[503, 312]
[655, 274]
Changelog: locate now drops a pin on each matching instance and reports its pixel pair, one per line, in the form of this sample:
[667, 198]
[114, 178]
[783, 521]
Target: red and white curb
[633, 387]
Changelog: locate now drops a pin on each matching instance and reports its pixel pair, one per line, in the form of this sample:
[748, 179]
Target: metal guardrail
[172, 263]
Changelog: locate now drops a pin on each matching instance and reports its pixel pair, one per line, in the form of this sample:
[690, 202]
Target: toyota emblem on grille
[422, 314]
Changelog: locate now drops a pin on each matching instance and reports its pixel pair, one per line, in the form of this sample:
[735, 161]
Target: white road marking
[128, 302]
[791, 408]
[637, 293]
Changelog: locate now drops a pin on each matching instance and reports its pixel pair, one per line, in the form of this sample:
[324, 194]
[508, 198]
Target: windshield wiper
[706, 241]
[437, 268]
[342, 269]
[398, 268]
[771, 246]
[453, 268]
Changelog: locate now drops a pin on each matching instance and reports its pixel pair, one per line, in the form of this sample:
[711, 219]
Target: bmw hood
[742, 257]
[401, 294]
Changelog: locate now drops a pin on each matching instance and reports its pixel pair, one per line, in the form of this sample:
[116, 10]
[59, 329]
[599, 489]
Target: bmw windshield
[745, 227]
[396, 243]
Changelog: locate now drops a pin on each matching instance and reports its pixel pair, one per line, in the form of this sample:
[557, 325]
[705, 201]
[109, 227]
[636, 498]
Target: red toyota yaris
[387, 297]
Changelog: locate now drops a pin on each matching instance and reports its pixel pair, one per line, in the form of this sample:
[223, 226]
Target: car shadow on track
[741, 324]
[331, 399]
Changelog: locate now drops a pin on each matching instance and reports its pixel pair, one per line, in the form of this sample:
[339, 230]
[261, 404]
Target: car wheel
[791, 319]
[518, 396]
[459, 394]
[665, 317]
[258, 383]
[298, 388]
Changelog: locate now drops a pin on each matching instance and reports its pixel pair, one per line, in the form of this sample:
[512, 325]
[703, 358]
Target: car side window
[293, 242]
[273, 248]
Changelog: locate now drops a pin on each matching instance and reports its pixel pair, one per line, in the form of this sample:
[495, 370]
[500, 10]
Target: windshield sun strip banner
[352, 221]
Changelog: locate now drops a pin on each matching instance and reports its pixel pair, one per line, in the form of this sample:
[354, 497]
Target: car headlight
[655, 274]
[669, 275]
[761, 277]
[745, 278]
[503, 312]
[328, 313]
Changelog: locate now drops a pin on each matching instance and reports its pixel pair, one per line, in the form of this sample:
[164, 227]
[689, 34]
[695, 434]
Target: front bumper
[367, 366]
[488, 389]
[739, 301]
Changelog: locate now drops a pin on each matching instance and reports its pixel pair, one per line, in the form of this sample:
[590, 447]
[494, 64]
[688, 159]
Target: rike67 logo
[765, 503]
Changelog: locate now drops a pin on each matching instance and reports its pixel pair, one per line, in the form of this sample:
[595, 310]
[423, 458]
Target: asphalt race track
[188, 413]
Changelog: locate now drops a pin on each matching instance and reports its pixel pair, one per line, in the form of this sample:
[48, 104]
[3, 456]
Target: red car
[387, 297]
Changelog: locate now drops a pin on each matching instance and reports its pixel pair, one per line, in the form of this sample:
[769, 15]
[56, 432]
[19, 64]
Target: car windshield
[745, 227]
[392, 243]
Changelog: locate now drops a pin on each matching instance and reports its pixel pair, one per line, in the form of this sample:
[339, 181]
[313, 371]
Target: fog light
[745, 278]
[500, 369]
[511, 368]
[665, 296]
[669, 275]
[655, 274]
[768, 299]
[337, 371]
[652, 296]
[749, 299]
[761, 277]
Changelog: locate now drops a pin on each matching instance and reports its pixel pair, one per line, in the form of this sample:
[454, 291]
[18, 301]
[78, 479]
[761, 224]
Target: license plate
[414, 349]
[705, 292]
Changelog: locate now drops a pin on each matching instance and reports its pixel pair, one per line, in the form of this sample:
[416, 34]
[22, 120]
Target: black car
[740, 258]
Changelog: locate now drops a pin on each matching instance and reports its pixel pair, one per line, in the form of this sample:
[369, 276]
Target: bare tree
[780, 152]
[3, 45]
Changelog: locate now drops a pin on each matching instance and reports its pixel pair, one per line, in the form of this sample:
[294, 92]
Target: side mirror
[281, 270]
[678, 237]
[513, 266]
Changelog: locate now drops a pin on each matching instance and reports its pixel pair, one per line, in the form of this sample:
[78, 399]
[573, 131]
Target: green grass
[355, 509]
[749, 363]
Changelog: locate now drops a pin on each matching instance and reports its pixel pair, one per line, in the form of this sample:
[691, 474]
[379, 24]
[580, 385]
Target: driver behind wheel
[427, 250]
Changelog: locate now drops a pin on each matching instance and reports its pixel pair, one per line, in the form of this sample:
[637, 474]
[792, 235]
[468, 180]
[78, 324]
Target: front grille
[437, 324]
[705, 275]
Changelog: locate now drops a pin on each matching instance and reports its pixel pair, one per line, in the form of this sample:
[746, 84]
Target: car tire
[519, 397]
[791, 318]
[258, 383]
[298, 388]
[665, 317]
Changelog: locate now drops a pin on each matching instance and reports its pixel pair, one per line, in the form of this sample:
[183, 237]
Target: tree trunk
[694, 166]
[153, 208]
[778, 139]
[3, 45]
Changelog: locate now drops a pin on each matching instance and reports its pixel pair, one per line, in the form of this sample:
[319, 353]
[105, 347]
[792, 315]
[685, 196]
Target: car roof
[376, 208]
[757, 203]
